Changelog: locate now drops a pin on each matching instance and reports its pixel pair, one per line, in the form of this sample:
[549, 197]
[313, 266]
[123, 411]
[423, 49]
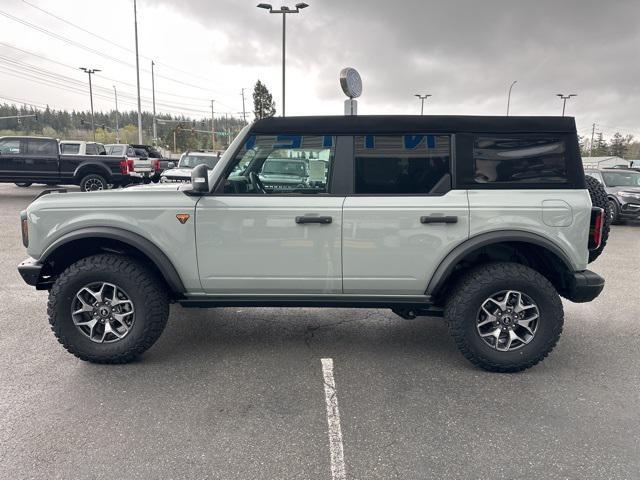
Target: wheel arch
[89, 168]
[80, 243]
[521, 247]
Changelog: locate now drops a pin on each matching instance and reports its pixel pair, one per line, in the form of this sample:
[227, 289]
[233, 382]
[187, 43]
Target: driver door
[273, 227]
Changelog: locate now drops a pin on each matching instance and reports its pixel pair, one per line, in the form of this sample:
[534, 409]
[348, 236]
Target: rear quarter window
[519, 160]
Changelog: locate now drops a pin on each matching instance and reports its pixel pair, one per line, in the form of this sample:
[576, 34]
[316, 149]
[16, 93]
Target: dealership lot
[238, 393]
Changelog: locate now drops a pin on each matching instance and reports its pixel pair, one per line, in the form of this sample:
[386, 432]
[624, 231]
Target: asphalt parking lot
[238, 393]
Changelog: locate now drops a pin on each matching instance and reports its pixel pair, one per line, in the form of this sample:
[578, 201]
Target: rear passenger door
[403, 217]
[41, 160]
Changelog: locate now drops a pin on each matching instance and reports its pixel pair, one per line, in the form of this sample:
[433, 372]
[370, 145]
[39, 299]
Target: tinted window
[621, 179]
[101, 150]
[70, 148]
[117, 150]
[140, 152]
[519, 160]
[283, 164]
[42, 147]
[402, 164]
[92, 149]
[191, 160]
[10, 146]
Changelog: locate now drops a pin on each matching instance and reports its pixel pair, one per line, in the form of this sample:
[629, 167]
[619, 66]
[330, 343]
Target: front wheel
[504, 317]
[107, 309]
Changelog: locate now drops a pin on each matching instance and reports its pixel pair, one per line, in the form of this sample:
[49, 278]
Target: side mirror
[171, 165]
[200, 179]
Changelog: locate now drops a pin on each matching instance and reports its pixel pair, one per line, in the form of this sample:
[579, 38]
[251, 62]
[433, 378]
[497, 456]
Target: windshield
[621, 179]
[191, 160]
[283, 167]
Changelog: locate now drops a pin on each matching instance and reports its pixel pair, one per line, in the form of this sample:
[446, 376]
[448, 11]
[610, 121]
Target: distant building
[603, 162]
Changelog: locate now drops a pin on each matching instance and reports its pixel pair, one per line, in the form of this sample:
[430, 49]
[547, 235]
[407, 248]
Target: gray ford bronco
[486, 221]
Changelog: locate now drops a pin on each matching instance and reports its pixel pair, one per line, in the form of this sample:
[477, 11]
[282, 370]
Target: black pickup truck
[28, 160]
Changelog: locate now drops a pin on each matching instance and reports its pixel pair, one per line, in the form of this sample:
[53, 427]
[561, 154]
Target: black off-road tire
[614, 218]
[23, 184]
[599, 199]
[93, 179]
[147, 293]
[474, 287]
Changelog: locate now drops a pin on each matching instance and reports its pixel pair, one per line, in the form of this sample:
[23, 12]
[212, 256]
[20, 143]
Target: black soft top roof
[380, 124]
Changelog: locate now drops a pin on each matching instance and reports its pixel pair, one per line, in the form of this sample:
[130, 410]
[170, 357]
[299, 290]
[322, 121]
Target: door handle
[439, 219]
[313, 219]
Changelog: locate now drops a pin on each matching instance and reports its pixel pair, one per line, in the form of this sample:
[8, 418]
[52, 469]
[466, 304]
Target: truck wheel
[93, 182]
[599, 199]
[504, 317]
[24, 184]
[107, 309]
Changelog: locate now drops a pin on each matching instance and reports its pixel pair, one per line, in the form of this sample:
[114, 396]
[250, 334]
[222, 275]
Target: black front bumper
[31, 271]
[583, 286]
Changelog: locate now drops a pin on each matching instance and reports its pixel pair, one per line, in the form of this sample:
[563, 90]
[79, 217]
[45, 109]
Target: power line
[93, 34]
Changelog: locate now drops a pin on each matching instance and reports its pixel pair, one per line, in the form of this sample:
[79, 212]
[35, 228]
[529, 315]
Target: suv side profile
[623, 190]
[485, 221]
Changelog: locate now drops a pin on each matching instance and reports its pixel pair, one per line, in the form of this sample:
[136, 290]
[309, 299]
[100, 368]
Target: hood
[177, 172]
[635, 190]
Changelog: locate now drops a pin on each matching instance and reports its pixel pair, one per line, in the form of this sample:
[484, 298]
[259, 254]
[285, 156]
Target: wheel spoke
[120, 317]
[109, 329]
[85, 306]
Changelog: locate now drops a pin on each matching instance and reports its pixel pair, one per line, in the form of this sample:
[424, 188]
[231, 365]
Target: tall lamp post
[422, 98]
[115, 92]
[509, 96]
[284, 11]
[91, 71]
[564, 100]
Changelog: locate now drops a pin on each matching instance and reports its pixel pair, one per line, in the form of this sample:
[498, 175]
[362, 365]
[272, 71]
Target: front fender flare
[155, 254]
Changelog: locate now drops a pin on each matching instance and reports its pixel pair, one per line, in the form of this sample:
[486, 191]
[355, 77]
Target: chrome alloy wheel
[507, 320]
[103, 312]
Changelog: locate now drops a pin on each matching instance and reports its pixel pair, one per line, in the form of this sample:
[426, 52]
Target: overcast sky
[465, 53]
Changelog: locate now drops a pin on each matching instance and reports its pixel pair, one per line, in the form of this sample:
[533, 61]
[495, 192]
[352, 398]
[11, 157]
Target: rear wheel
[107, 309]
[23, 184]
[93, 182]
[504, 317]
[614, 213]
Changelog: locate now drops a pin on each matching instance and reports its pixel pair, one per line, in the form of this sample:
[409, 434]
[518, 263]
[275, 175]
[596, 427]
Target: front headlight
[24, 225]
[629, 195]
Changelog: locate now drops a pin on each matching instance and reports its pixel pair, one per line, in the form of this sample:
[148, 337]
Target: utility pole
[135, 20]
[284, 11]
[213, 129]
[153, 94]
[91, 71]
[117, 125]
[593, 132]
[226, 127]
[422, 98]
[244, 114]
[509, 96]
[564, 100]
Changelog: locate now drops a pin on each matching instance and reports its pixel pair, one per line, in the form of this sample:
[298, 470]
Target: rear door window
[402, 164]
[519, 160]
[41, 147]
[92, 149]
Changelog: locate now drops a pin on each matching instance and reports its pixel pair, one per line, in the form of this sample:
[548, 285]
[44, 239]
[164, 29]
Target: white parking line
[336, 448]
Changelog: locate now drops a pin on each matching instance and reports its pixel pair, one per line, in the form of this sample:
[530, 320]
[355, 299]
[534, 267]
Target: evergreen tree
[620, 145]
[263, 104]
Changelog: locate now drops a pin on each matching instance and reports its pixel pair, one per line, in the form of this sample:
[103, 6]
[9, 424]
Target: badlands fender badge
[183, 217]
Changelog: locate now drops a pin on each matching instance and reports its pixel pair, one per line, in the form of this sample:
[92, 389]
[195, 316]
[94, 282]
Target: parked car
[73, 147]
[155, 154]
[486, 221]
[28, 160]
[623, 191]
[144, 168]
[189, 160]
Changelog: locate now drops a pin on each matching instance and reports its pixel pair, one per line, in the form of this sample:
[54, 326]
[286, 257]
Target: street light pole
[244, 114]
[422, 98]
[213, 129]
[564, 100]
[91, 71]
[153, 95]
[283, 10]
[115, 92]
[509, 96]
[135, 20]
